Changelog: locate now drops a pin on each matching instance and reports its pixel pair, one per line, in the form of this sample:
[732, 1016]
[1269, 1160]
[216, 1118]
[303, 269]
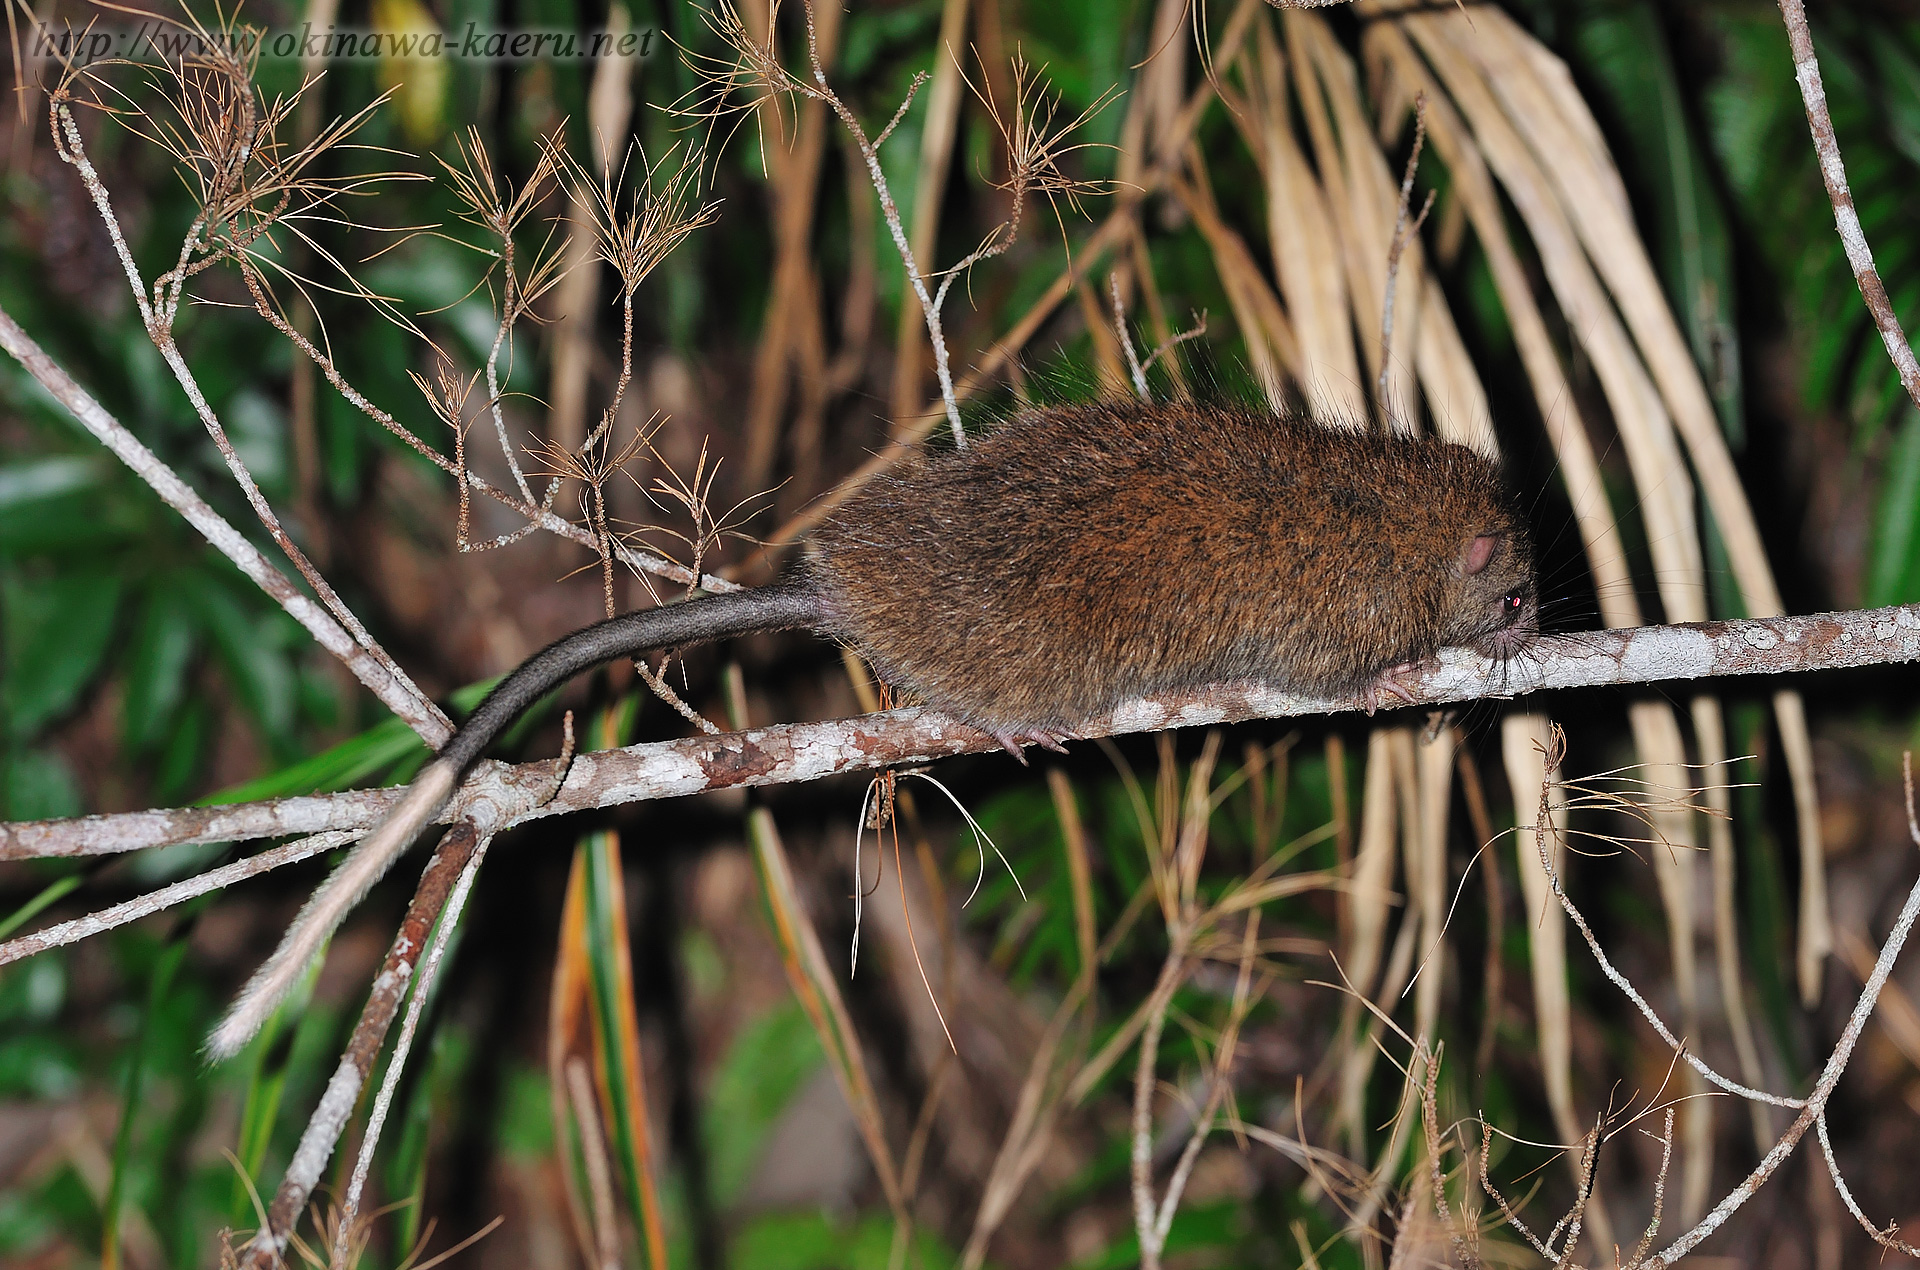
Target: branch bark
[342, 1093]
[1806, 72]
[497, 796]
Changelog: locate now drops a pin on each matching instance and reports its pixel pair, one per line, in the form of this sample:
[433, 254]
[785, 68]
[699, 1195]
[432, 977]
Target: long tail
[780, 607]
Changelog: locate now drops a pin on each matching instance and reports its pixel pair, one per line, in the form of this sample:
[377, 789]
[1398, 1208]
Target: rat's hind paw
[1393, 682]
[1011, 740]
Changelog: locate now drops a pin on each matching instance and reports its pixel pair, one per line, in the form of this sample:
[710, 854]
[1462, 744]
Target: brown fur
[1075, 557]
[1083, 554]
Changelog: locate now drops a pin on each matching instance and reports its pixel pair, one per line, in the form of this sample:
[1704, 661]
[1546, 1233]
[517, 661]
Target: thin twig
[1885, 1238]
[1806, 72]
[1194, 332]
[1812, 1108]
[1402, 233]
[1173, 973]
[1546, 830]
[1134, 368]
[72, 932]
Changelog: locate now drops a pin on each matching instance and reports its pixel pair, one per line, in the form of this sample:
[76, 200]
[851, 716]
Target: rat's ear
[1479, 550]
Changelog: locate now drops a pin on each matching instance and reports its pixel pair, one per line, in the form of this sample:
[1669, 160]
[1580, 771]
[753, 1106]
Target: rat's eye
[1510, 606]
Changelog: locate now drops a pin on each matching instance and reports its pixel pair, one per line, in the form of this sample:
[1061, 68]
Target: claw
[1388, 683]
[1011, 741]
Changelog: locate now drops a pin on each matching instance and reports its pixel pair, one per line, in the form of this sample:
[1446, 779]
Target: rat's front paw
[1396, 681]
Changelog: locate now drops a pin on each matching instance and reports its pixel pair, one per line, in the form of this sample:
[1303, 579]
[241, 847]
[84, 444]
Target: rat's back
[1079, 555]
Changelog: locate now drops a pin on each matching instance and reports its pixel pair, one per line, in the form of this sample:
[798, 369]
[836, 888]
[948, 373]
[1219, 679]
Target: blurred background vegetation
[141, 670]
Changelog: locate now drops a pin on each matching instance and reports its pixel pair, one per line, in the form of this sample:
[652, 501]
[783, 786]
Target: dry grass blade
[1644, 425]
[1392, 54]
[1427, 876]
[1657, 737]
[1303, 238]
[1562, 134]
[819, 992]
[1264, 327]
[568, 1003]
[1073, 835]
[1120, 225]
[1109, 354]
[609, 113]
[1812, 1108]
[1709, 732]
[1899, 1017]
[1364, 198]
[597, 1020]
[605, 1253]
[1403, 229]
[792, 336]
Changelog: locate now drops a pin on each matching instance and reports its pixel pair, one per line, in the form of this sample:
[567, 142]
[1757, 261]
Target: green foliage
[769, 1061]
[816, 1241]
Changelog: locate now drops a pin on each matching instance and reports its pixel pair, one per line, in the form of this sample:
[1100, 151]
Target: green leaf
[767, 1064]
[39, 1066]
[37, 480]
[268, 1056]
[524, 1126]
[157, 657]
[180, 755]
[257, 426]
[1893, 570]
[1627, 49]
[34, 991]
[57, 630]
[816, 1241]
[37, 785]
[259, 668]
[165, 967]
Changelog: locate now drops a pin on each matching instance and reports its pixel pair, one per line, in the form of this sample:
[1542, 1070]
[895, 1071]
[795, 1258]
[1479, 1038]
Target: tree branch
[342, 1093]
[1806, 72]
[497, 796]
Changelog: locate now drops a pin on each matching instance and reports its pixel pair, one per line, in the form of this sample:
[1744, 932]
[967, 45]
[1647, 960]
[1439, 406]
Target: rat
[1074, 557]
